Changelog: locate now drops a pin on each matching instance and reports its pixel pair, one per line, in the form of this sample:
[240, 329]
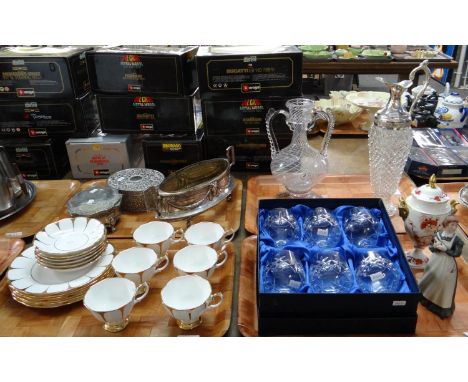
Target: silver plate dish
[195, 186]
[207, 204]
[22, 202]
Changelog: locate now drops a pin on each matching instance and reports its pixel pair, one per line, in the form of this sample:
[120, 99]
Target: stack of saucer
[36, 286]
[70, 243]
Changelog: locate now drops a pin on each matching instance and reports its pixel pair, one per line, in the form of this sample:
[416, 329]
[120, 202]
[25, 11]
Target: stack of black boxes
[238, 85]
[45, 98]
[151, 91]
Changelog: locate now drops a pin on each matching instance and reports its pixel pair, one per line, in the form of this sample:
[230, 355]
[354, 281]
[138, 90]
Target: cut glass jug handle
[272, 113]
[330, 126]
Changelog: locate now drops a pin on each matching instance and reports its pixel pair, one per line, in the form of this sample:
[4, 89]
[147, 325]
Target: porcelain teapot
[452, 112]
[423, 212]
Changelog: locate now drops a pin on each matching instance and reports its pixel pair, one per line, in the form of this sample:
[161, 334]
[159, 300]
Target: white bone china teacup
[158, 236]
[111, 301]
[139, 264]
[186, 298]
[199, 260]
[209, 233]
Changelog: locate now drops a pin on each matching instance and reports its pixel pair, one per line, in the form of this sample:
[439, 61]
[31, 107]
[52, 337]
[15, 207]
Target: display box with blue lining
[306, 312]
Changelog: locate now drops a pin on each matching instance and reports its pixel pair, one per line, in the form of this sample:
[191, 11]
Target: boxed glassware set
[331, 266]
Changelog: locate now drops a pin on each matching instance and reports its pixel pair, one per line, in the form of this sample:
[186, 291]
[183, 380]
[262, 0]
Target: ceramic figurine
[439, 281]
[423, 213]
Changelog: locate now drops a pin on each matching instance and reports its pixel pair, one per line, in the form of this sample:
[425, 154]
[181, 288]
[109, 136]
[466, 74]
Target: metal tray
[179, 214]
[22, 202]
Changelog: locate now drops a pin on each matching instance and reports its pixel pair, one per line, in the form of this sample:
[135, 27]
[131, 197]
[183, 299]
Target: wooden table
[227, 213]
[148, 318]
[428, 323]
[51, 197]
[369, 67]
[340, 186]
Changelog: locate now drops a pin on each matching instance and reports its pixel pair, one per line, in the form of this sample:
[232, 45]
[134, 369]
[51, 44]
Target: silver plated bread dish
[195, 188]
[139, 188]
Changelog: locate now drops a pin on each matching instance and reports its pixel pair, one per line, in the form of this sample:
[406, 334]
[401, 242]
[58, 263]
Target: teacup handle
[146, 290]
[213, 296]
[230, 232]
[224, 254]
[178, 235]
[165, 260]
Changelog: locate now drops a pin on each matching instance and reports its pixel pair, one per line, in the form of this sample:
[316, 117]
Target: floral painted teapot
[423, 213]
[452, 112]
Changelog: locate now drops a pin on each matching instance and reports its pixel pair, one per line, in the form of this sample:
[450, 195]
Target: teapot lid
[431, 192]
[454, 99]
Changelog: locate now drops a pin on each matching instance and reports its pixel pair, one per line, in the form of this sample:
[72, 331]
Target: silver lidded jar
[390, 140]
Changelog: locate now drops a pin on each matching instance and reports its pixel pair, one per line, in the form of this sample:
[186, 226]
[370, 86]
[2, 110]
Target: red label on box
[146, 127]
[101, 172]
[251, 88]
[37, 133]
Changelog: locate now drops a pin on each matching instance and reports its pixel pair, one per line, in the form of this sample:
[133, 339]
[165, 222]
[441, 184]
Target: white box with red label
[99, 157]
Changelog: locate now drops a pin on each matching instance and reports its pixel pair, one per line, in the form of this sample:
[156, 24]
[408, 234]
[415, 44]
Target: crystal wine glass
[282, 226]
[322, 229]
[330, 273]
[283, 273]
[361, 227]
[375, 273]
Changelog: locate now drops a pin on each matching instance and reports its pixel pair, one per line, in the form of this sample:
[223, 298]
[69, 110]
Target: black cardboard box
[43, 72]
[43, 118]
[157, 70]
[315, 313]
[168, 154]
[38, 159]
[243, 116]
[252, 152]
[145, 114]
[233, 71]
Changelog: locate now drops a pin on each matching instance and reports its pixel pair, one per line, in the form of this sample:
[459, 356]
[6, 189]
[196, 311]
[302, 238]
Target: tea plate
[26, 274]
[69, 236]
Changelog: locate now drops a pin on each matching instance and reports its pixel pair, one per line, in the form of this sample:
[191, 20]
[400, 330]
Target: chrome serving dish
[195, 188]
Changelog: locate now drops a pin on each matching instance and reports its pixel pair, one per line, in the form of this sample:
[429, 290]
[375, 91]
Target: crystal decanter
[390, 140]
[299, 166]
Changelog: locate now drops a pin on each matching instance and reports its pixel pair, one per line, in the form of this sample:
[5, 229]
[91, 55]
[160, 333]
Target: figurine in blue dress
[439, 281]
